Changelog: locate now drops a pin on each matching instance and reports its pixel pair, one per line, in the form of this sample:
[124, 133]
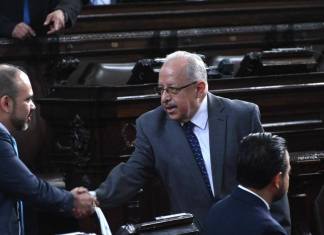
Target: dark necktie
[195, 148]
[20, 206]
[26, 12]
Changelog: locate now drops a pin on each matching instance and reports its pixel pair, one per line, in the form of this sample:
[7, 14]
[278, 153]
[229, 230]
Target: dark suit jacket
[241, 213]
[17, 182]
[11, 13]
[162, 149]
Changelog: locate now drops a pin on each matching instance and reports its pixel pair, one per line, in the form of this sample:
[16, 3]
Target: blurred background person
[23, 19]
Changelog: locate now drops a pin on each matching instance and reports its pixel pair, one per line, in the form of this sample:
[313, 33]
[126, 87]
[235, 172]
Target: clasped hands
[84, 203]
[54, 20]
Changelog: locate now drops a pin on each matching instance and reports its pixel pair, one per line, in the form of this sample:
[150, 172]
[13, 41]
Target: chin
[24, 127]
[173, 116]
[279, 196]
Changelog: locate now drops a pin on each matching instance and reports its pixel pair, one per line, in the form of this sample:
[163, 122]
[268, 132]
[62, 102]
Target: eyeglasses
[172, 90]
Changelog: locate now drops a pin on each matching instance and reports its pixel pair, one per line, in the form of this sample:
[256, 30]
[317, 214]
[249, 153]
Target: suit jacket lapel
[217, 140]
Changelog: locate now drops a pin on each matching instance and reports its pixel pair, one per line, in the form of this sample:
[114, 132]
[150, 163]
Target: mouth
[170, 108]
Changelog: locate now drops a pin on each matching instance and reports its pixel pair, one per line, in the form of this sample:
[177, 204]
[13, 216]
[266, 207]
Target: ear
[277, 180]
[6, 103]
[201, 86]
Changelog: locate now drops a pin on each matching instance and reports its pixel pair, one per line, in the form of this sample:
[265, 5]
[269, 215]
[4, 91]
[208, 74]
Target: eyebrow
[30, 97]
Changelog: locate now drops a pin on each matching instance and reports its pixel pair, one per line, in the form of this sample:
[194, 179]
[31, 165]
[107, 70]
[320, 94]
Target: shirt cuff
[93, 193]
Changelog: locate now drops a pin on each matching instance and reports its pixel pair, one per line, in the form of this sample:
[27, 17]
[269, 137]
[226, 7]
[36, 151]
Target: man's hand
[83, 202]
[55, 20]
[23, 31]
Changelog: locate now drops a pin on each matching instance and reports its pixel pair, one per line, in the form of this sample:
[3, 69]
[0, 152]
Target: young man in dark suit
[17, 183]
[23, 19]
[198, 165]
[263, 175]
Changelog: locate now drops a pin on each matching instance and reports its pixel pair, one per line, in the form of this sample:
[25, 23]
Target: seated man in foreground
[263, 176]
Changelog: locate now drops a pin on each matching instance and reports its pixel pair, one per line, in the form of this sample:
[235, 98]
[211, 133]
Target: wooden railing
[131, 32]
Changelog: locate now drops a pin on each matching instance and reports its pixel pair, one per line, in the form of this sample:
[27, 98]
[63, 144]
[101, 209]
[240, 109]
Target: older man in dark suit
[23, 19]
[263, 174]
[190, 142]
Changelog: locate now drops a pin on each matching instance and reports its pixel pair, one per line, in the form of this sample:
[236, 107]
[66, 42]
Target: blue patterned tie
[20, 206]
[195, 147]
[26, 12]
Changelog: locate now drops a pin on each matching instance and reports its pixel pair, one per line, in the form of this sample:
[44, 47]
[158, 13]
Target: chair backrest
[107, 74]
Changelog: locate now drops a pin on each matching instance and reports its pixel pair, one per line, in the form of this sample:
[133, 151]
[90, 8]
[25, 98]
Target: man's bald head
[9, 79]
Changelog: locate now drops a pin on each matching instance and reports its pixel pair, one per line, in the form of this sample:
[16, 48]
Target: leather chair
[107, 74]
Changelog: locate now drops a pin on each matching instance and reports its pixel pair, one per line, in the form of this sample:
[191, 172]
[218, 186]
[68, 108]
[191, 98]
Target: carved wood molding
[217, 38]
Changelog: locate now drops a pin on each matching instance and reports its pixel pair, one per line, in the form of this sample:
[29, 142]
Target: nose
[165, 97]
[32, 105]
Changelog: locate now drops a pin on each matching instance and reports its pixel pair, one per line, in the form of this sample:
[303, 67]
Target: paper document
[105, 229]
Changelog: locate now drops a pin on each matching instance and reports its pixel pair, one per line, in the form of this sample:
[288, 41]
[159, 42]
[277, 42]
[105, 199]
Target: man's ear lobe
[276, 181]
[5, 103]
[200, 88]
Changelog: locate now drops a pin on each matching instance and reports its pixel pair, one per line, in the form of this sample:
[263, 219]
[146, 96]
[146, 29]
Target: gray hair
[8, 84]
[195, 68]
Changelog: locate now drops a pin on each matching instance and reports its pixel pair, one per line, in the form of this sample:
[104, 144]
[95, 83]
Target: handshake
[84, 202]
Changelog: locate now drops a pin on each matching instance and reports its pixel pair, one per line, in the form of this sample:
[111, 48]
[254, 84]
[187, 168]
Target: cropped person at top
[23, 19]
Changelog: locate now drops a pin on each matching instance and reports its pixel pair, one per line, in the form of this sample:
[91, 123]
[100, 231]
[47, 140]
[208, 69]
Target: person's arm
[22, 31]
[11, 29]
[63, 15]
[6, 27]
[71, 10]
[256, 120]
[125, 180]
[18, 182]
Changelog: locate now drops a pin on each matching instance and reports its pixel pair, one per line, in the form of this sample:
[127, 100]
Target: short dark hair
[261, 157]
[8, 84]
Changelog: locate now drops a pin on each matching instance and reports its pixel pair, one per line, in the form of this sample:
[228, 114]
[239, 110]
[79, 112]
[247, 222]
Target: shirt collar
[248, 190]
[201, 116]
